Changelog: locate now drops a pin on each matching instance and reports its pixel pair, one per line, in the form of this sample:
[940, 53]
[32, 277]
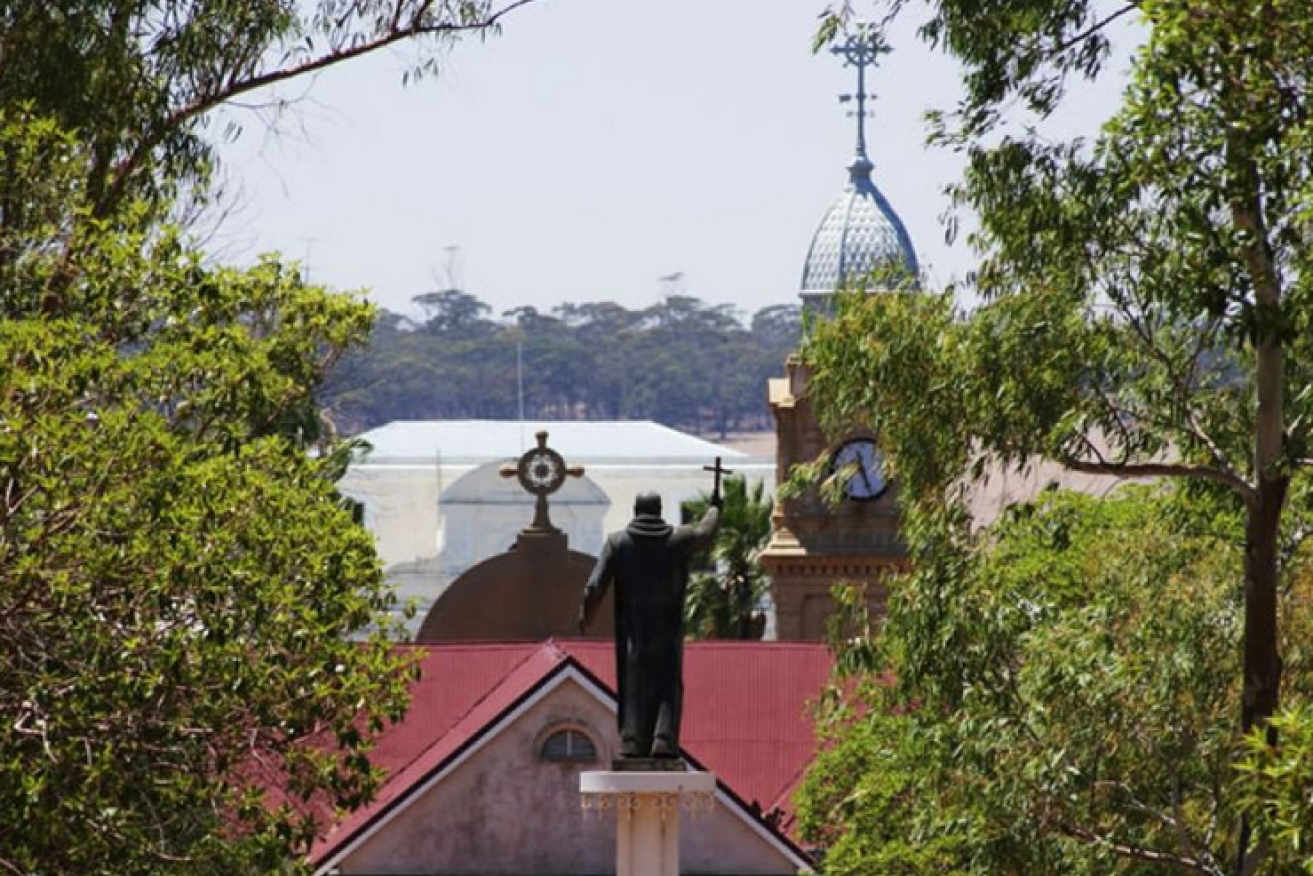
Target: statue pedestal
[647, 808]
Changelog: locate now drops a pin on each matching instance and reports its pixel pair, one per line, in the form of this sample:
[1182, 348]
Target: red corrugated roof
[746, 715]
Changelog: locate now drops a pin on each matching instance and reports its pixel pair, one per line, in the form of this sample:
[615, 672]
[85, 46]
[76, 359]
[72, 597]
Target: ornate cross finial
[541, 471]
[860, 50]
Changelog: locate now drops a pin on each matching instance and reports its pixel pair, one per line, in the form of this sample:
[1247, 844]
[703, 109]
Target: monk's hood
[649, 525]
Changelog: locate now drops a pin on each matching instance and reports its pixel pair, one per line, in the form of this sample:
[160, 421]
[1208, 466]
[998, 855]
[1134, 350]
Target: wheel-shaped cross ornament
[541, 471]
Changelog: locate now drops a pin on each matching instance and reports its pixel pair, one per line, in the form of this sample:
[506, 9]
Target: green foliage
[1277, 784]
[722, 600]
[1063, 703]
[863, 780]
[855, 806]
[1145, 312]
[681, 362]
[194, 665]
[183, 597]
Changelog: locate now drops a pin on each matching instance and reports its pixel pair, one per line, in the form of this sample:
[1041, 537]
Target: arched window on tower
[568, 745]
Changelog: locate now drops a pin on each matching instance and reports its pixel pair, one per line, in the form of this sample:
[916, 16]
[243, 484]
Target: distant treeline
[681, 362]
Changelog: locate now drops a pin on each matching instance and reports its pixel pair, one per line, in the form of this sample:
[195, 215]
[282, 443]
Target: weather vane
[861, 50]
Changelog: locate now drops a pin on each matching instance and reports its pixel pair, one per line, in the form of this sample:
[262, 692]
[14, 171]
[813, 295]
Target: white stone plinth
[647, 807]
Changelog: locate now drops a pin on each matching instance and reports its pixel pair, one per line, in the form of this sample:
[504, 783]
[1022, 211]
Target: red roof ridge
[471, 645]
[555, 644]
[440, 751]
[786, 795]
[529, 654]
[777, 644]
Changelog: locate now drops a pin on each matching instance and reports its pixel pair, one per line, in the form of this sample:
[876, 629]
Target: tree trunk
[1262, 670]
[1261, 694]
[743, 610]
[1262, 664]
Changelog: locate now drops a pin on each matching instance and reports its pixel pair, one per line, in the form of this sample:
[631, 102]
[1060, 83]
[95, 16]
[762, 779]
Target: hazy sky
[592, 148]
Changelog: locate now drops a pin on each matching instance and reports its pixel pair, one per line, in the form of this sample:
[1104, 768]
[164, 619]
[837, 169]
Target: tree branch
[1162, 470]
[203, 104]
[1139, 853]
[1138, 320]
[1095, 28]
[1176, 823]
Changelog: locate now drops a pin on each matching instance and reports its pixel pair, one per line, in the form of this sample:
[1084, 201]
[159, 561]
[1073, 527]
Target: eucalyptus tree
[191, 625]
[1064, 703]
[1146, 293]
[192, 670]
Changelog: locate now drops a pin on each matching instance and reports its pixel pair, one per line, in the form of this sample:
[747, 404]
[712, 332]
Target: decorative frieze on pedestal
[647, 807]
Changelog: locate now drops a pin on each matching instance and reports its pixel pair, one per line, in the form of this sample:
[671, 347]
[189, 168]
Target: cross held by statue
[718, 470]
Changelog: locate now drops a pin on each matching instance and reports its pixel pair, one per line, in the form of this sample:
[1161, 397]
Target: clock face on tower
[867, 482]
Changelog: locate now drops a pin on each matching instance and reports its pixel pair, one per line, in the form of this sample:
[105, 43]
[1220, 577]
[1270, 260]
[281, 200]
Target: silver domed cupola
[860, 236]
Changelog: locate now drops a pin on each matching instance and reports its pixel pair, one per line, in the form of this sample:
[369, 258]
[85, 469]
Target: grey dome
[860, 234]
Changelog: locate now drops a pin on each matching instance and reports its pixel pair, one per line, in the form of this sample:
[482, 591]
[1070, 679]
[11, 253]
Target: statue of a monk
[649, 563]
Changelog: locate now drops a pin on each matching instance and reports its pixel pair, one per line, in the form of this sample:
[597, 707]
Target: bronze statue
[649, 563]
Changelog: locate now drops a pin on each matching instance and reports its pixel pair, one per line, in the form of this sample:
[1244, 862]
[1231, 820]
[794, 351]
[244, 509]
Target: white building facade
[437, 504]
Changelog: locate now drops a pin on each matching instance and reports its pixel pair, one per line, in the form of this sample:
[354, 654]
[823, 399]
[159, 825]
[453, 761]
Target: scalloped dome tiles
[859, 235]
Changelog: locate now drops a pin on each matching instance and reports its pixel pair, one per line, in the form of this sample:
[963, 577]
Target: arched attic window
[568, 745]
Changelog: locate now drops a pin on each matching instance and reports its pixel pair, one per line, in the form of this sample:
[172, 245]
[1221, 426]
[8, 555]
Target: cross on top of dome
[859, 50]
[541, 472]
[860, 241]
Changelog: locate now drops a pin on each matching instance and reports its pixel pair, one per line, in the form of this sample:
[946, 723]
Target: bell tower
[814, 544]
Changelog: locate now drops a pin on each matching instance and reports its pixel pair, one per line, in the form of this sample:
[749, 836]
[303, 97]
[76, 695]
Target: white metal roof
[582, 442]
